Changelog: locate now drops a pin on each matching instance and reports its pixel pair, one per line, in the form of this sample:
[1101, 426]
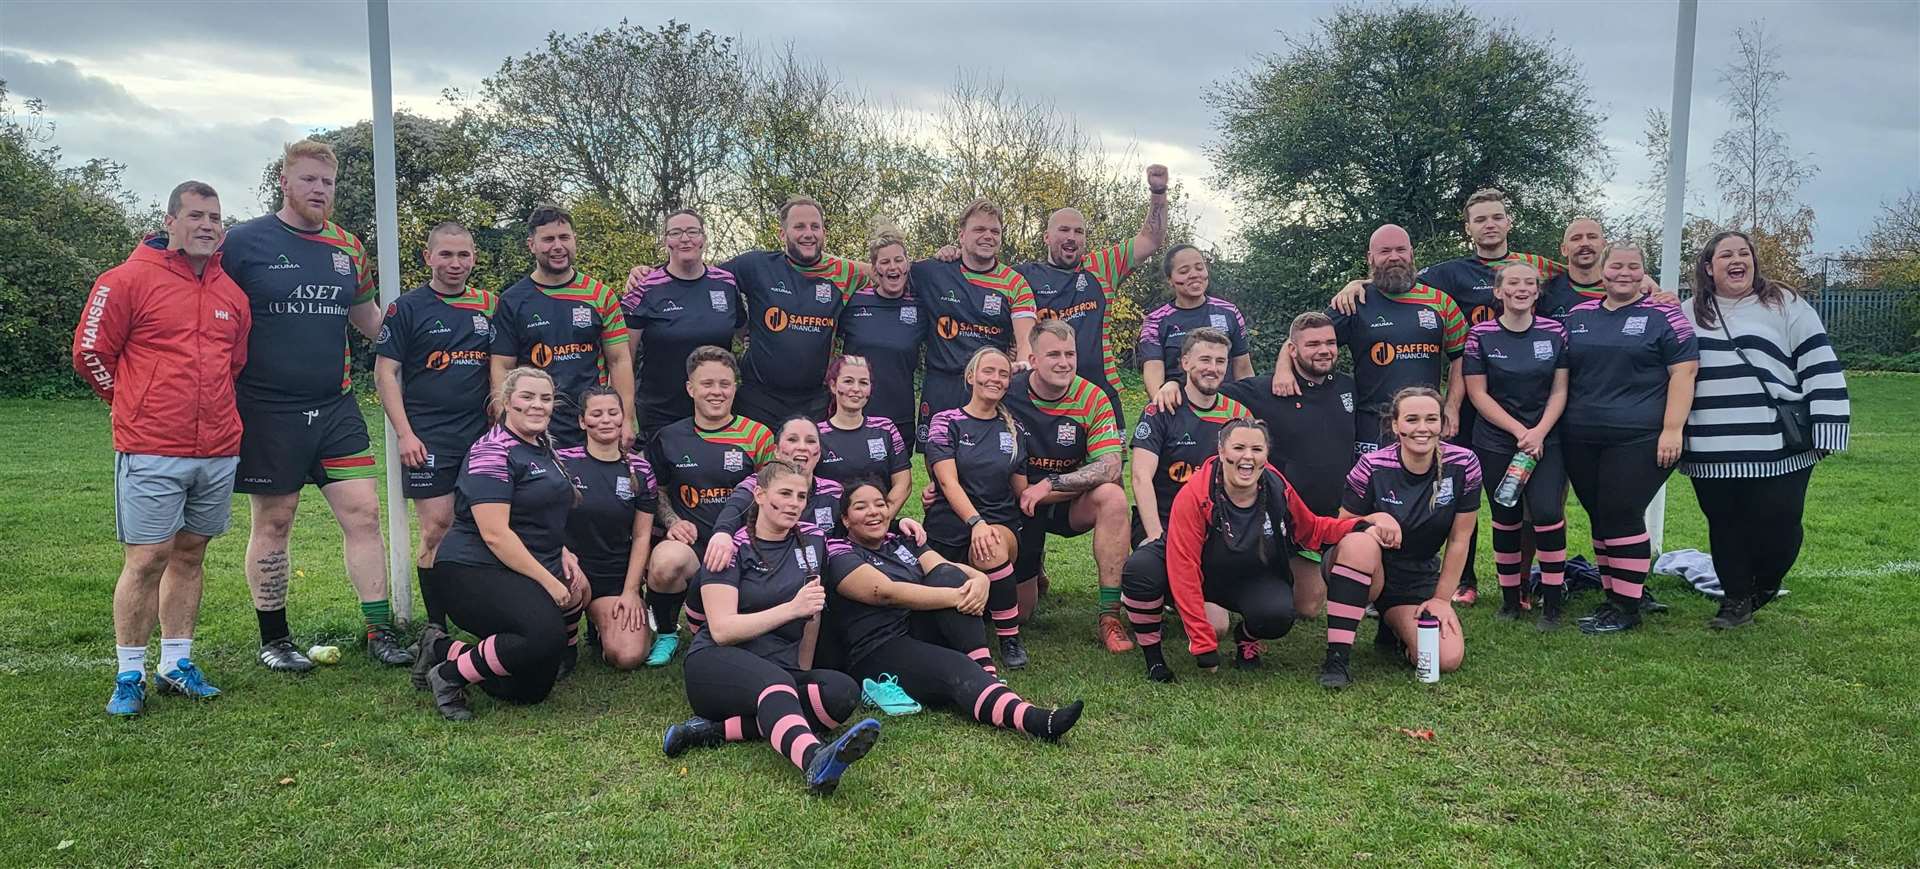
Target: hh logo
[990, 305]
[1428, 319]
[219, 314]
[1066, 435]
[582, 316]
[734, 461]
[342, 263]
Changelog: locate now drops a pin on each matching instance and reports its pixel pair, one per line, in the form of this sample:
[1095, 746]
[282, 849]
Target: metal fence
[1866, 321]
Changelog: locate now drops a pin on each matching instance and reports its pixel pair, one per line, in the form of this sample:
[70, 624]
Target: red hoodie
[1192, 521]
[163, 346]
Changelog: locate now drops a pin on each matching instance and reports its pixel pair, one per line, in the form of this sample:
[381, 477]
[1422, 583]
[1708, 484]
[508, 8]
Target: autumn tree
[1758, 172]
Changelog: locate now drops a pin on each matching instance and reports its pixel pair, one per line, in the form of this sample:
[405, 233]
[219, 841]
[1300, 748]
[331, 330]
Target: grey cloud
[317, 63]
[67, 90]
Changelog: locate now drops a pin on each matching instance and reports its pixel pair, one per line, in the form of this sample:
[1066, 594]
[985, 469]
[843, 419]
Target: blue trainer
[664, 648]
[187, 680]
[831, 760]
[887, 694]
[129, 695]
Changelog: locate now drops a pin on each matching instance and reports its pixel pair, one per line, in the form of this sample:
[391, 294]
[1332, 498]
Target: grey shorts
[155, 497]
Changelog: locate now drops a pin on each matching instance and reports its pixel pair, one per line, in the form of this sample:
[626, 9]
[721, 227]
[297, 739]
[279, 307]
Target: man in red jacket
[162, 338]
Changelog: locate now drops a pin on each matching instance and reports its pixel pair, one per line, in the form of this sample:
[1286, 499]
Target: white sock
[133, 659]
[171, 651]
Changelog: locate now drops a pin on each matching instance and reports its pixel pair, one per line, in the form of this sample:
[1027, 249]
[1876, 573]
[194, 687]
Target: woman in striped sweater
[1761, 347]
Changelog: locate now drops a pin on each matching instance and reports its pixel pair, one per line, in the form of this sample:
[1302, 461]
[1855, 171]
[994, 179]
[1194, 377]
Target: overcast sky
[211, 90]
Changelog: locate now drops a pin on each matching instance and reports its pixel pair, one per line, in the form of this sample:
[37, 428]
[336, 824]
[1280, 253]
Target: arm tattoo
[1106, 470]
[665, 514]
[270, 581]
[1155, 225]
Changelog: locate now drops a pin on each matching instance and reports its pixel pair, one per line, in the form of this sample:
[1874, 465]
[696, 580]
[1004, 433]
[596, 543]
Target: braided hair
[973, 365]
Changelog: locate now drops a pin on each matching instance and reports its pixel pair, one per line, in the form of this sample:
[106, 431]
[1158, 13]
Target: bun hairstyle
[883, 234]
[1440, 454]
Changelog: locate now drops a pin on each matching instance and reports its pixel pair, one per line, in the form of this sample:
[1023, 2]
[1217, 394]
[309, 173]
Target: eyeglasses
[678, 234]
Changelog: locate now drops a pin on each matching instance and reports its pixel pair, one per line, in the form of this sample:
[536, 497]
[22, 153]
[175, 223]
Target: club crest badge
[823, 292]
[1346, 401]
[1006, 442]
[481, 325]
[1428, 319]
[582, 316]
[1217, 321]
[1066, 435]
[1543, 351]
[734, 461]
[342, 263]
[718, 299]
[1634, 326]
[990, 305]
[876, 448]
[1443, 492]
[910, 315]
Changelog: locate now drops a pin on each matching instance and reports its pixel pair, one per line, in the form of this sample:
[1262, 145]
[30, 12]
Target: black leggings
[1264, 601]
[1615, 481]
[1753, 525]
[942, 661]
[786, 706]
[1542, 500]
[1463, 436]
[523, 633]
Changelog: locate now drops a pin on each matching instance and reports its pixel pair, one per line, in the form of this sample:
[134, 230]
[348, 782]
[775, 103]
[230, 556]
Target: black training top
[1519, 367]
[792, 311]
[300, 286]
[698, 468]
[1182, 439]
[1312, 433]
[503, 469]
[767, 573]
[822, 511]
[442, 344]
[600, 527]
[875, 449]
[1164, 330]
[1617, 367]
[1560, 294]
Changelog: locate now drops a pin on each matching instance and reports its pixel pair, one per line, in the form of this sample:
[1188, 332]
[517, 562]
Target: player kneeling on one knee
[1233, 528]
[1432, 490]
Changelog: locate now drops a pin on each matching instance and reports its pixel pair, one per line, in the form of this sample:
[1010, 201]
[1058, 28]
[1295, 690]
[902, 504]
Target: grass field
[1790, 743]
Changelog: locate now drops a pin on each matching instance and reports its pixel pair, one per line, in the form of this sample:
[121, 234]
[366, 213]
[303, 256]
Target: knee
[271, 523]
[146, 564]
[622, 656]
[839, 696]
[359, 518]
[1358, 550]
[669, 568]
[1109, 501]
[1269, 621]
[1451, 656]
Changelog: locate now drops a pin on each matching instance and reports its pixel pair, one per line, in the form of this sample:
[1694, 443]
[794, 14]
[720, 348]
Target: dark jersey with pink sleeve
[1520, 368]
[767, 574]
[1165, 329]
[1617, 367]
[671, 317]
[986, 454]
[1423, 504]
[865, 627]
[503, 469]
[875, 449]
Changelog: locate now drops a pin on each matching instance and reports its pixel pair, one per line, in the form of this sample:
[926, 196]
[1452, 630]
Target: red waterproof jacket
[163, 346]
[1192, 520]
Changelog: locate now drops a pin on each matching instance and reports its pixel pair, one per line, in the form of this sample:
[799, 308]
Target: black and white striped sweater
[1732, 431]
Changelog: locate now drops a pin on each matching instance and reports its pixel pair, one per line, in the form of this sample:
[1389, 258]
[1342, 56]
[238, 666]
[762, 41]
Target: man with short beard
[307, 279]
[794, 297]
[1078, 285]
[564, 322]
[1582, 244]
[1175, 436]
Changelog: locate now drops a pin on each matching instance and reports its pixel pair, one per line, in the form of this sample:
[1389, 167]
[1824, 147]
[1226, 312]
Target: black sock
[665, 606]
[1155, 657]
[1550, 596]
[1510, 596]
[430, 596]
[273, 625]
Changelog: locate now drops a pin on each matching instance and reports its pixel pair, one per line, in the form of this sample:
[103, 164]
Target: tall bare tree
[1758, 172]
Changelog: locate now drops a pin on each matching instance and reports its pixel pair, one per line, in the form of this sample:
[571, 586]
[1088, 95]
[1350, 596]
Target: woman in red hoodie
[162, 338]
[1233, 528]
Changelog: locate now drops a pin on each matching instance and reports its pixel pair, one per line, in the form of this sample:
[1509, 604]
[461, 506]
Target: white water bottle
[1427, 658]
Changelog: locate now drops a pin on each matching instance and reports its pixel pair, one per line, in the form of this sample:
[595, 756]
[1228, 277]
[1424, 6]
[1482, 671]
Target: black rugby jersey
[300, 286]
[600, 527]
[1397, 342]
[890, 333]
[986, 454]
[1066, 433]
[1617, 367]
[767, 574]
[968, 310]
[671, 318]
[1423, 504]
[1182, 439]
[861, 627]
[442, 344]
[561, 330]
[1312, 433]
[1469, 281]
[1164, 331]
[1082, 296]
[698, 468]
[875, 449]
[822, 510]
[792, 312]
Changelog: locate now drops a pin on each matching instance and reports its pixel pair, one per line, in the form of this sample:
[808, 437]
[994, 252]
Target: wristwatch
[975, 519]
[1053, 481]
